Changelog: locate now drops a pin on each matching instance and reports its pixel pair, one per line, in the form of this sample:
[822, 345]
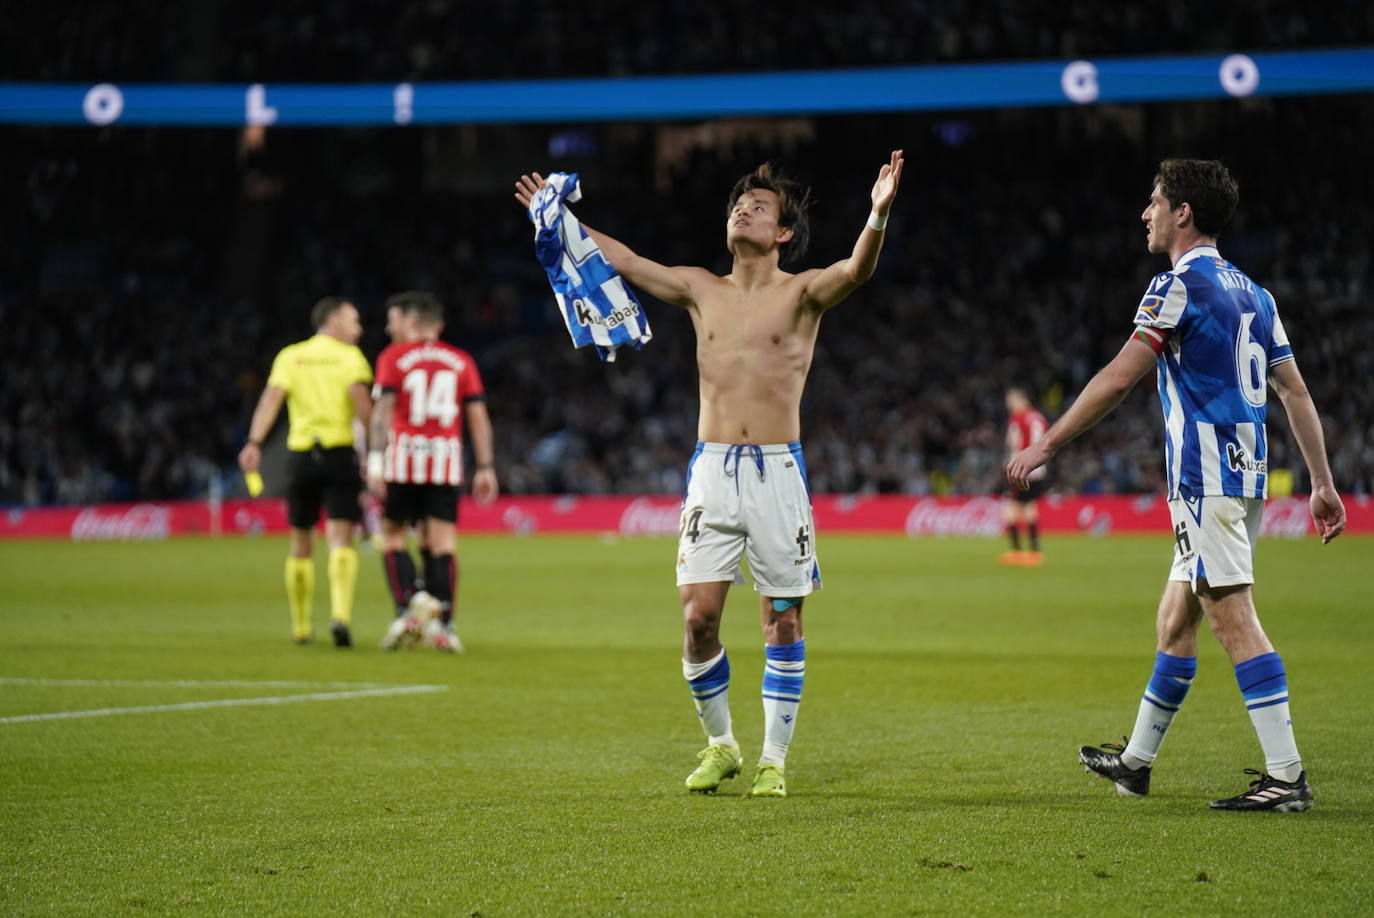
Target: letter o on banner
[1239, 75]
[104, 103]
[1079, 82]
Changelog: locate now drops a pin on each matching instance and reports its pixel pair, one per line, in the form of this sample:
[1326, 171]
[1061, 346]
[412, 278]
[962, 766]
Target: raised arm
[672, 285]
[829, 286]
[264, 416]
[1099, 397]
[1328, 513]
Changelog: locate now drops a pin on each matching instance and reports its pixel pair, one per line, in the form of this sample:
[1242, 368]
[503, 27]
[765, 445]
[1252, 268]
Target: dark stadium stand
[153, 272]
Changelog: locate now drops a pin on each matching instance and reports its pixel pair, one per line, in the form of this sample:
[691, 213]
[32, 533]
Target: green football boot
[717, 764]
[769, 782]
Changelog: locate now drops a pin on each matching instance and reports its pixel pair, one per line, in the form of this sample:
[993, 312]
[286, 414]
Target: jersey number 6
[1251, 363]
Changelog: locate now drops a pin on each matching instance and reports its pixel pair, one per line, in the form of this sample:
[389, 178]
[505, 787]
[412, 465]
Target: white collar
[1196, 251]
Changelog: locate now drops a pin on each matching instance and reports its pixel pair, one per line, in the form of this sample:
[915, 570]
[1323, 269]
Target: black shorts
[322, 476]
[413, 503]
[1033, 493]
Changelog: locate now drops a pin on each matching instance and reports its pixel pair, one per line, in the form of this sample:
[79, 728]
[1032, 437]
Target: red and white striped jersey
[1026, 427]
[432, 381]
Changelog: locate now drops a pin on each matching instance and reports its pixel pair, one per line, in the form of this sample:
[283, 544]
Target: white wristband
[374, 464]
[876, 222]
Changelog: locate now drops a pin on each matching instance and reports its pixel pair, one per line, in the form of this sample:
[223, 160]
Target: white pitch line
[189, 683]
[228, 703]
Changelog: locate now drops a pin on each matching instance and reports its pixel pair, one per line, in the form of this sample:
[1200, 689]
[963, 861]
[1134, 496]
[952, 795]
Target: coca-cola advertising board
[655, 515]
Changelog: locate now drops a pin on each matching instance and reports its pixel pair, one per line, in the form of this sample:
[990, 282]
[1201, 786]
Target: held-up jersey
[1217, 333]
[432, 380]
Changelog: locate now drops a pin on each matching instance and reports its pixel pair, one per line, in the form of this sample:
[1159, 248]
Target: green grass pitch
[933, 771]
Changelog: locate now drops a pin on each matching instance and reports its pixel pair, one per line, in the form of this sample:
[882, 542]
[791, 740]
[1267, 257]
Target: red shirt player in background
[1026, 426]
[426, 389]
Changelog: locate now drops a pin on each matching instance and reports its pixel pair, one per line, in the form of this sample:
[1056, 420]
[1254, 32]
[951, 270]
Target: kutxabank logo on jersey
[1239, 461]
[587, 316]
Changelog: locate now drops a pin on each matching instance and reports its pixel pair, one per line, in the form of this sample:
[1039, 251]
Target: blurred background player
[747, 491]
[1024, 427]
[1217, 341]
[324, 381]
[427, 388]
[399, 331]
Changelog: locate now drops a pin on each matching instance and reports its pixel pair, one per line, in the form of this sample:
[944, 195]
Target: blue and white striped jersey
[1217, 333]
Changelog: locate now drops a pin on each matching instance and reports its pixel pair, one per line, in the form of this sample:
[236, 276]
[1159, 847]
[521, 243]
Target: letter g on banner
[1079, 82]
[103, 105]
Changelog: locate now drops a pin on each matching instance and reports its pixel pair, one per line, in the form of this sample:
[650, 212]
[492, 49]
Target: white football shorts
[752, 502]
[1214, 539]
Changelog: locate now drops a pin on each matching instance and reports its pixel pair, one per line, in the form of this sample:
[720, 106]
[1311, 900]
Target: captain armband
[1154, 338]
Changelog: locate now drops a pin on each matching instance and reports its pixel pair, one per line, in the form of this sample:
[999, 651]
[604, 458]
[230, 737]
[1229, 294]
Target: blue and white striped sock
[1264, 684]
[783, 671]
[1164, 695]
[710, 685]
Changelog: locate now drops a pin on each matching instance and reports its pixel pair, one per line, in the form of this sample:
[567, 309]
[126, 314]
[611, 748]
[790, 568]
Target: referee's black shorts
[327, 477]
[413, 503]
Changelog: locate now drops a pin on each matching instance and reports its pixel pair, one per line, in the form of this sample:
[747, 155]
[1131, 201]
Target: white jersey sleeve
[1163, 303]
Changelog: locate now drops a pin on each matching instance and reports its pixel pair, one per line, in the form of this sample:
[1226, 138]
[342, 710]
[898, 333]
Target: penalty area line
[229, 703]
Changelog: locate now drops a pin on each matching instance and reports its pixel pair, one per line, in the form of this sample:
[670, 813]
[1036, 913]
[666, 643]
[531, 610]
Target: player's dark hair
[421, 304]
[793, 201]
[1204, 184]
[325, 308]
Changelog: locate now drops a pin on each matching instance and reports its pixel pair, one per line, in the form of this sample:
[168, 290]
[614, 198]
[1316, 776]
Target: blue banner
[959, 86]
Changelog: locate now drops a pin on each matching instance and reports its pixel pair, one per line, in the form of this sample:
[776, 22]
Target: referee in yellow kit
[325, 381]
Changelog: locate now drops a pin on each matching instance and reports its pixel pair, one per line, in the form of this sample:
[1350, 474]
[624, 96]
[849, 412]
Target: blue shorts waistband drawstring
[735, 451]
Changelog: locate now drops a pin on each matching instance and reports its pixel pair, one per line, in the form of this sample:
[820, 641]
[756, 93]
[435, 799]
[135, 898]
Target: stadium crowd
[153, 273]
[373, 40]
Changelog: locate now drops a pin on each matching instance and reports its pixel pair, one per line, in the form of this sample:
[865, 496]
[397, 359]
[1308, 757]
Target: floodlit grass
[933, 770]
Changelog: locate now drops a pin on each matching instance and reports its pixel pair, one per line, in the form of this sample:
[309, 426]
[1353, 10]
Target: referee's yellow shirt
[316, 374]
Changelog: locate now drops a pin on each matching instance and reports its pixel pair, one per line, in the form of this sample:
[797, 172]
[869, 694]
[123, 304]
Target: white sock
[783, 672]
[710, 684]
[1264, 685]
[1164, 695]
[1274, 728]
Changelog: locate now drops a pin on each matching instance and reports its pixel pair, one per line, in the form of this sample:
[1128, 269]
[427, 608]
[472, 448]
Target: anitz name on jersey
[1217, 333]
[432, 381]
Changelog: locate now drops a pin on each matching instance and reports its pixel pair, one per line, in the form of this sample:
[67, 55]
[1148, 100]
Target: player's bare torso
[754, 349]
